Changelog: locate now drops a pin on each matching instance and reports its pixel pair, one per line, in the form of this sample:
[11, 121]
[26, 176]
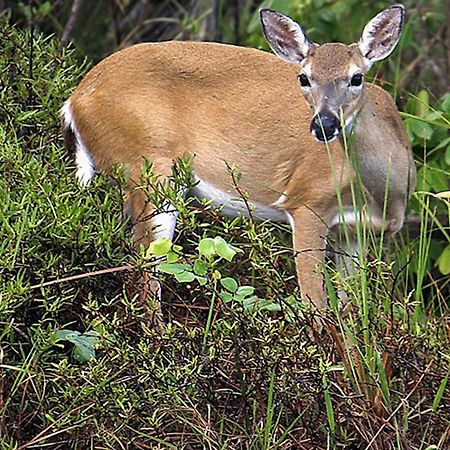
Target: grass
[219, 375]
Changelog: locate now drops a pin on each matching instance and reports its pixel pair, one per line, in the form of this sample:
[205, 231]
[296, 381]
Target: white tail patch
[85, 165]
[83, 158]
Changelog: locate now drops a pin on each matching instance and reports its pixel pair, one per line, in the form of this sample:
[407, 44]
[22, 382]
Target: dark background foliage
[100, 27]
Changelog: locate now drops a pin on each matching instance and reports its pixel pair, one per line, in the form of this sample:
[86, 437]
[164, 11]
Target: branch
[74, 13]
[82, 275]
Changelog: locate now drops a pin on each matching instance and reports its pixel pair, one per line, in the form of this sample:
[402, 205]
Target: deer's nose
[325, 127]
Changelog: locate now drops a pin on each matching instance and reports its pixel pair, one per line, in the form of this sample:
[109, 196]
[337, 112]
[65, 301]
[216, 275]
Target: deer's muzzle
[325, 127]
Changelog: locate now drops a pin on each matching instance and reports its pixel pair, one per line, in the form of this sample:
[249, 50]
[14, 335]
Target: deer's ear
[285, 37]
[382, 33]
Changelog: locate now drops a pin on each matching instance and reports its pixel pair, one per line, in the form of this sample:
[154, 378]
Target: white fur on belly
[233, 206]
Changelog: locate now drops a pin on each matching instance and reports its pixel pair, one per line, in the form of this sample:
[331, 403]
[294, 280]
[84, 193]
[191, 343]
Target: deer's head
[332, 75]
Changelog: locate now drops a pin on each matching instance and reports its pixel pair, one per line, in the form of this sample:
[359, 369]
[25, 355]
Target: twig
[243, 195]
[82, 275]
[74, 13]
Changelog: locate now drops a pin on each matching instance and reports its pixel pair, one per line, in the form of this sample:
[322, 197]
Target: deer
[280, 119]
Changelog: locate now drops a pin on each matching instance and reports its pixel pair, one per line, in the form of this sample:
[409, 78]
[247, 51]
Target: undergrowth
[82, 366]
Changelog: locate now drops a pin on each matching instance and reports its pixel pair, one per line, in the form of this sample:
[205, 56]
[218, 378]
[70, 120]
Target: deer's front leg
[309, 233]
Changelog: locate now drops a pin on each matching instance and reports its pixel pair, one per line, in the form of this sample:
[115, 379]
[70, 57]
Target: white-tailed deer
[224, 104]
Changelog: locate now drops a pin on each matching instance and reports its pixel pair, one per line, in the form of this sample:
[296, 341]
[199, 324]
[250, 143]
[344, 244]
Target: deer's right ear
[285, 37]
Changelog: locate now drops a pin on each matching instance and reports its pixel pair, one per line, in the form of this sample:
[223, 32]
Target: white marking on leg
[283, 197]
[291, 221]
[164, 222]
[83, 158]
[165, 219]
[347, 257]
[346, 261]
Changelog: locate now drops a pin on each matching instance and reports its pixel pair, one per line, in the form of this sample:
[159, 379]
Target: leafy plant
[428, 129]
[204, 269]
[84, 344]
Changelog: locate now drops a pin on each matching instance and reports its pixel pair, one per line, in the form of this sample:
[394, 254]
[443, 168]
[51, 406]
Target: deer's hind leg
[151, 222]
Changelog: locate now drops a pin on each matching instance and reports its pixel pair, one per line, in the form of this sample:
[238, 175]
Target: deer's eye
[304, 81]
[356, 79]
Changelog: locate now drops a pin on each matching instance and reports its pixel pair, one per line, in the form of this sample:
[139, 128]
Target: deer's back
[219, 102]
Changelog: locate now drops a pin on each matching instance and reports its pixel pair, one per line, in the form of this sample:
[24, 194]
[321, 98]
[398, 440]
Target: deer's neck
[380, 152]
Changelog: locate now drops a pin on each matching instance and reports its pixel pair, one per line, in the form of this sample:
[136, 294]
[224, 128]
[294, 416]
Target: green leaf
[200, 267]
[447, 155]
[439, 181]
[84, 344]
[443, 261]
[177, 248]
[160, 247]
[185, 277]
[245, 291]
[172, 257]
[250, 303]
[229, 284]
[226, 296]
[421, 129]
[224, 249]
[84, 350]
[442, 144]
[45, 9]
[65, 335]
[328, 404]
[440, 393]
[423, 103]
[207, 248]
[430, 178]
[202, 280]
[445, 103]
[174, 268]
[269, 306]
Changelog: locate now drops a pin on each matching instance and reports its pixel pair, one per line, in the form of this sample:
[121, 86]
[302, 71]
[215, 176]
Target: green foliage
[84, 343]
[428, 129]
[48, 224]
[206, 270]
[440, 393]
